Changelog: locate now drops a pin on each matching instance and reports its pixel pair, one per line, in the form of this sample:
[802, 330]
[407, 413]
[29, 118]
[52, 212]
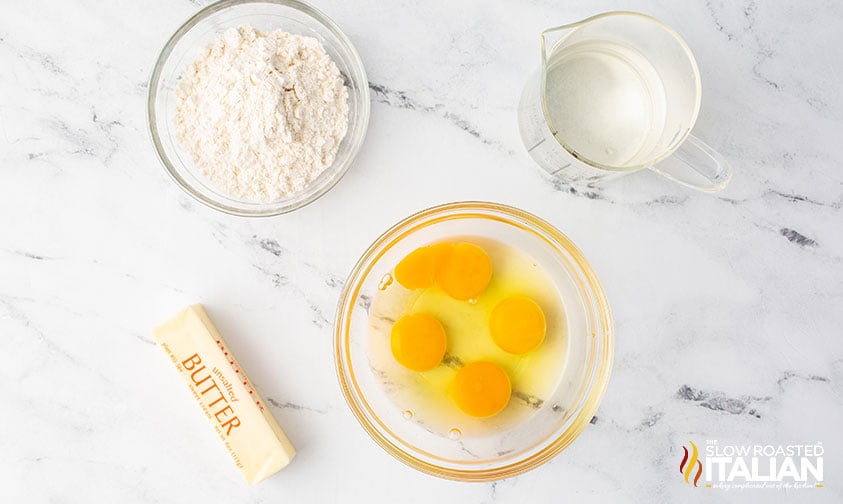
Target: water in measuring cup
[605, 101]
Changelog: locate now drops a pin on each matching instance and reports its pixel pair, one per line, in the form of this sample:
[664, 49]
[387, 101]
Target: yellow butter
[238, 414]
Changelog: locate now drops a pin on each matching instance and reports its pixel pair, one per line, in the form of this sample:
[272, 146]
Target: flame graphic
[686, 467]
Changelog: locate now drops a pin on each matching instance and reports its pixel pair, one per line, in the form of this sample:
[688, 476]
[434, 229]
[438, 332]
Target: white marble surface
[728, 308]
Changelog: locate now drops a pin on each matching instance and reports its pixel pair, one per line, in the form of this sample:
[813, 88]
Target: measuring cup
[616, 93]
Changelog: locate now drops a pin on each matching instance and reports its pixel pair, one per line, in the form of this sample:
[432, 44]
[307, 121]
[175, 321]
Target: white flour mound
[261, 114]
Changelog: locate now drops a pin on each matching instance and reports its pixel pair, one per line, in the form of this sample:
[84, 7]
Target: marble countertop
[728, 307]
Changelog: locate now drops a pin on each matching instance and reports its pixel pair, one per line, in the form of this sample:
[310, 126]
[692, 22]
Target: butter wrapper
[237, 413]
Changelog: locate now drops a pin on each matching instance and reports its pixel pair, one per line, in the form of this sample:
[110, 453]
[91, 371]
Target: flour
[261, 115]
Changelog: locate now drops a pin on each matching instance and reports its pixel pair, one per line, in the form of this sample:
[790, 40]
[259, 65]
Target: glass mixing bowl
[582, 377]
[200, 30]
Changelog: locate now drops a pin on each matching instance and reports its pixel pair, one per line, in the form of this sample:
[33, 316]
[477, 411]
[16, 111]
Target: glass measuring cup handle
[696, 165]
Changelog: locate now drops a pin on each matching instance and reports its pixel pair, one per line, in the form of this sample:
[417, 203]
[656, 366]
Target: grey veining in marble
[728, 308]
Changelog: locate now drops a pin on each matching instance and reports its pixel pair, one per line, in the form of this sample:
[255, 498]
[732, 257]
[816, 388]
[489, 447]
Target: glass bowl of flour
[257, 108]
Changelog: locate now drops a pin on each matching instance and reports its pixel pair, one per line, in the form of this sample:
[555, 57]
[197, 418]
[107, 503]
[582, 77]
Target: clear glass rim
[679, 40]
[287, 204]
[599, 371]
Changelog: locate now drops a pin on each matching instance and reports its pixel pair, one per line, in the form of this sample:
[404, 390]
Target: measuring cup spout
[550, 38]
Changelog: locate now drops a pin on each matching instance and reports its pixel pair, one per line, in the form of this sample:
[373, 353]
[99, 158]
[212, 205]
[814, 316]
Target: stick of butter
[239, 415]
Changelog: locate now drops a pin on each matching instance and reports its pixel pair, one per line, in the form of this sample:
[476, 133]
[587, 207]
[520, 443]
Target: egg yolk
[481, 389]
[418, 269]
[465, 272]
[418, 342]
[517, 325]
